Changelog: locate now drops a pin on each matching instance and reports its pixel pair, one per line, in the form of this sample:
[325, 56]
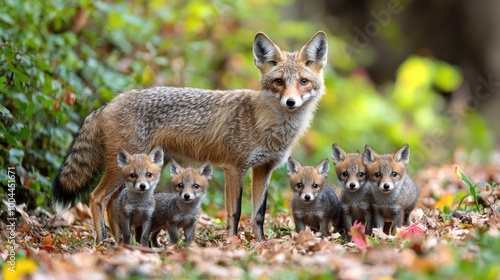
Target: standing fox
[395, 193]
[357, 195]
[315, 204]
[238, 130]
[135, 204]
[182, 208]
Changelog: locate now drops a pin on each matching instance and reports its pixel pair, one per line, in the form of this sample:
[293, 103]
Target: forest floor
[449, 239]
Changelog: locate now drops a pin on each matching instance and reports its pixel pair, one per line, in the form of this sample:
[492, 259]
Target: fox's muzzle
[141, 187]
[291, 103]
[386, 186]
[352, 186]
[307, 197]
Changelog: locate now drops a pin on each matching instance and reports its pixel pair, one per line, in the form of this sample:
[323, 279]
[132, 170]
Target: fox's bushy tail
[81, 164]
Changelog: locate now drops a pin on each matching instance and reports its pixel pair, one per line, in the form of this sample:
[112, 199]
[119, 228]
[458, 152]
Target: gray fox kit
[395, 193]
[182, 208]
[135, 204]
[235, 129]
[356, 198]
[315, 204]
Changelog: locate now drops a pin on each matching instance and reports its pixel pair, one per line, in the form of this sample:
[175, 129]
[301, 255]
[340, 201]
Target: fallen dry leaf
[358, 236]
[62, 247]
[410, 231]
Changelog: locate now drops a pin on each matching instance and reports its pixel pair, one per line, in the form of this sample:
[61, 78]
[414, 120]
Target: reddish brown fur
[236, 130]
[309, 174]
[356, 196]
[315, 204]
[395, 193]
[140, 165]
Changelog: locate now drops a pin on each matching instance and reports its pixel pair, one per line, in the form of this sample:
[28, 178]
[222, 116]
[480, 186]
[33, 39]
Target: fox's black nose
[386, 186]
[142, 186]
[352, 185]
[307, 197]
[187, 196]
[290, 102]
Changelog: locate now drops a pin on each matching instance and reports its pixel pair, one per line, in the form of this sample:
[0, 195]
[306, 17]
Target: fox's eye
[149, 174]
[180, 185]
[394, 174]
[315, 186]
[196, 186]
[345, 174]
[377, 175]
[361, 174]
[299, 185]
[278, 82]
[304, 81]
[132, 175]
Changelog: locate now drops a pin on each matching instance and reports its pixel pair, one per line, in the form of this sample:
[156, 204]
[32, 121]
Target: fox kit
[356, 198]
[135, 204]
[315, 204]
[182, 208]
[395, 193]
[238, 130]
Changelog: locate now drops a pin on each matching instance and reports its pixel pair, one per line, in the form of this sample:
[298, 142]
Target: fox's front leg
[260, 183]
[369, 221]
[299, 224]
[347, 223]
[233, 191]
[126, 229]
[189, 233]
[324, 226]
[146, 230]
[397, 221]
[406, 219]
[173, 234]
[379, 219]
[99, 199]
[119, 232]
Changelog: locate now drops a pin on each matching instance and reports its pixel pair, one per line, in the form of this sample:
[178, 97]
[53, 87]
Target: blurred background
[421, 72]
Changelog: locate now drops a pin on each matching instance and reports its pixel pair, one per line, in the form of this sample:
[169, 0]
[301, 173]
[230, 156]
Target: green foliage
[478, 206]
[447, 214]
[60, 60]
[472, 187]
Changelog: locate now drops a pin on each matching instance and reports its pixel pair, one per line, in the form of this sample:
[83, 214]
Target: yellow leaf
[47, 240]
[19, 270]
[147, 76]
[446, 199]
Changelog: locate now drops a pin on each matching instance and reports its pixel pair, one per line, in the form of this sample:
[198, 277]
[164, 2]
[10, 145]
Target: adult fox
[235, 129]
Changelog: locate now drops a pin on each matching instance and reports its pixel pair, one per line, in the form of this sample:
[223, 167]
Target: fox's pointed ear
[338, 154]
[314, 54]
[156, 156]
[403, 154]
[266, 54]
[369, 156]
[323, 167]
[206, 170]
[123, 158]
[175, 168]
[293, 166]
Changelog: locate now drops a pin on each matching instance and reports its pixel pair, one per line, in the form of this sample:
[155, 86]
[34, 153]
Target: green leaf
[17, 72]
[471, 186]
[3, 81]
[16, 156]
[5, 112]
[446, 210]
